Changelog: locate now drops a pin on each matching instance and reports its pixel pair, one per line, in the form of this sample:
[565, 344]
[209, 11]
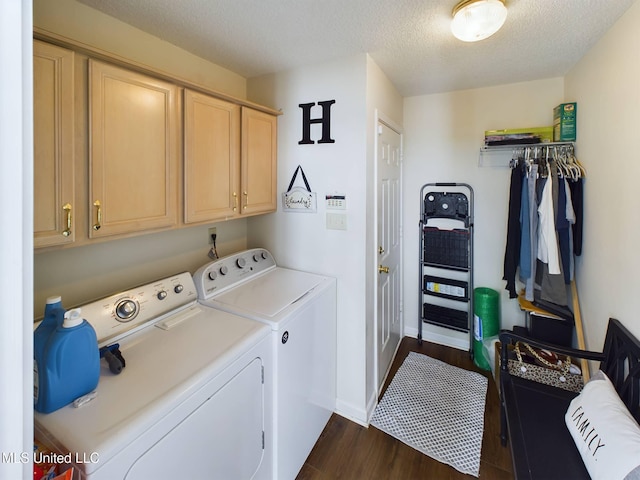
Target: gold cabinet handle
[382, 269]
[98, 224]
[235, 201]
[246, 199]
[67, 209]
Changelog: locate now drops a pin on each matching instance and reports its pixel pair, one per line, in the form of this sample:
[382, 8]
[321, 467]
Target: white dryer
[193, 401]
[300, 308]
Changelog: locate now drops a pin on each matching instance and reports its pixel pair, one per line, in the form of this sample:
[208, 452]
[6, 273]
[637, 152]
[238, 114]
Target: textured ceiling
[409, 39]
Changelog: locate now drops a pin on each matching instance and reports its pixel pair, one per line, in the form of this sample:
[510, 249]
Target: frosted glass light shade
[475, 20]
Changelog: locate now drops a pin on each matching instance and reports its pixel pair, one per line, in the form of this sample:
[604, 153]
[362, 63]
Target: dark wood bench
[532, 413]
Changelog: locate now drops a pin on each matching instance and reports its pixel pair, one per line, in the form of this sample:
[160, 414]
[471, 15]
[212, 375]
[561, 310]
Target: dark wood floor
[347, 450]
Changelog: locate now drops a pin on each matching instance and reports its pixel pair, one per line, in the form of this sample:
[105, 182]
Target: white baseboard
[439, 338]
[351, 412]
[371, 406]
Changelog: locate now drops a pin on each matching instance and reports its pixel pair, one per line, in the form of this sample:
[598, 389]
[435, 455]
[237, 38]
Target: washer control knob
[161, 295]
[224, 270]
[264, 255]
[213, 275]
[256, 257]
[241, 262]
[178, 288]
[126, 309]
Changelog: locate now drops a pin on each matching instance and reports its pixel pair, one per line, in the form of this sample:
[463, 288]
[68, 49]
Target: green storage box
[564, 122]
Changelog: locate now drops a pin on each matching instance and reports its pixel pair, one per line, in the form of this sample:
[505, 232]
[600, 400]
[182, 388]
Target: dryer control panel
[219, 275]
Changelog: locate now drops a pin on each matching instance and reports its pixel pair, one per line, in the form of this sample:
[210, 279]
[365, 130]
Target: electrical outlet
[211, 231]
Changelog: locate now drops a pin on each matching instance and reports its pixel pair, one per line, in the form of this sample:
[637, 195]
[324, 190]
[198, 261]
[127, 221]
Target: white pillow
[604, 431]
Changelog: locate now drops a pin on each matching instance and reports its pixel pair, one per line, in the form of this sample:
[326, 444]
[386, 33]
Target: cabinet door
[211, 158]
[258, 162]
[133, 151]
[53, 214]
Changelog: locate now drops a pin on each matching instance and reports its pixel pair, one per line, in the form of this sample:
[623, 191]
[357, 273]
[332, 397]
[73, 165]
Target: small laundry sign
[299, 199]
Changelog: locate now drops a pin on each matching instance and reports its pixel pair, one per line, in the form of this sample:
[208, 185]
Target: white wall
[443, 136]
[16, 237]
[82, 274]
[302, 241]
[605, 83]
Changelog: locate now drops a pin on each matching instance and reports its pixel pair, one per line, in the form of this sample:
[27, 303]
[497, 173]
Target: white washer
[193, 401]
[300, 308]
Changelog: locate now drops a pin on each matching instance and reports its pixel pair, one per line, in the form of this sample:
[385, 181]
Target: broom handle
[579, 331]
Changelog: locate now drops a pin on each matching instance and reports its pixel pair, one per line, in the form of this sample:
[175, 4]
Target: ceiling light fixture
[475, 20]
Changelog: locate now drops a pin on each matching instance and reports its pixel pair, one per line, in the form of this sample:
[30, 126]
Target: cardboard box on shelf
[564, 122]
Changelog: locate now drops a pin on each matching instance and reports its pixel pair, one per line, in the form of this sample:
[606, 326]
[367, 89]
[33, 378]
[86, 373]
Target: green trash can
[486, 313]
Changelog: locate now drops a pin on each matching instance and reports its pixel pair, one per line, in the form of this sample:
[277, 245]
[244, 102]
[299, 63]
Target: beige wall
[81, 23]
[605, 83]
[82, 274]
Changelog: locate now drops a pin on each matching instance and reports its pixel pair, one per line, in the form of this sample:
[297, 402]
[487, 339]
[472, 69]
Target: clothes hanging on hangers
[544, 222]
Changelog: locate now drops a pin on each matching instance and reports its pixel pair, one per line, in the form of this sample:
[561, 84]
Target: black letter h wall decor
[325, 120]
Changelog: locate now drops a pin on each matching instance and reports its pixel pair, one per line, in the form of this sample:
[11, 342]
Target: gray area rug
[436, 408]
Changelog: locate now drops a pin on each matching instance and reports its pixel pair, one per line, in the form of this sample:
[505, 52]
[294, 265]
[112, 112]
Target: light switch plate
[336, 221]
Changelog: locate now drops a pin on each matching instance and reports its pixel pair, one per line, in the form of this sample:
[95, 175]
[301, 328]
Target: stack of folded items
[518, 136]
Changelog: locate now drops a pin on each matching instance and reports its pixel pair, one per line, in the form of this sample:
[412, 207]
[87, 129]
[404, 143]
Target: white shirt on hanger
[547, 239]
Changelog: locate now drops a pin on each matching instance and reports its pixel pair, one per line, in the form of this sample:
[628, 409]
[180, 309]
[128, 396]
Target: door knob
[382, 269]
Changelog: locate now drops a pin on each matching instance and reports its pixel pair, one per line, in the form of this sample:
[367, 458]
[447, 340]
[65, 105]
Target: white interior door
[389, 310]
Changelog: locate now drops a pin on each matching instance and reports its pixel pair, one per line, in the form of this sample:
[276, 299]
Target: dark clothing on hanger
[533, 231]
[562, 227]
[512, 250]
[577, 191]
[525, 232]
[552, 288]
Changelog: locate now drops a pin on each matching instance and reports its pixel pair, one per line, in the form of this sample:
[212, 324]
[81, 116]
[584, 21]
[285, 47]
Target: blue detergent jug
[71, 363]
[53, 317]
